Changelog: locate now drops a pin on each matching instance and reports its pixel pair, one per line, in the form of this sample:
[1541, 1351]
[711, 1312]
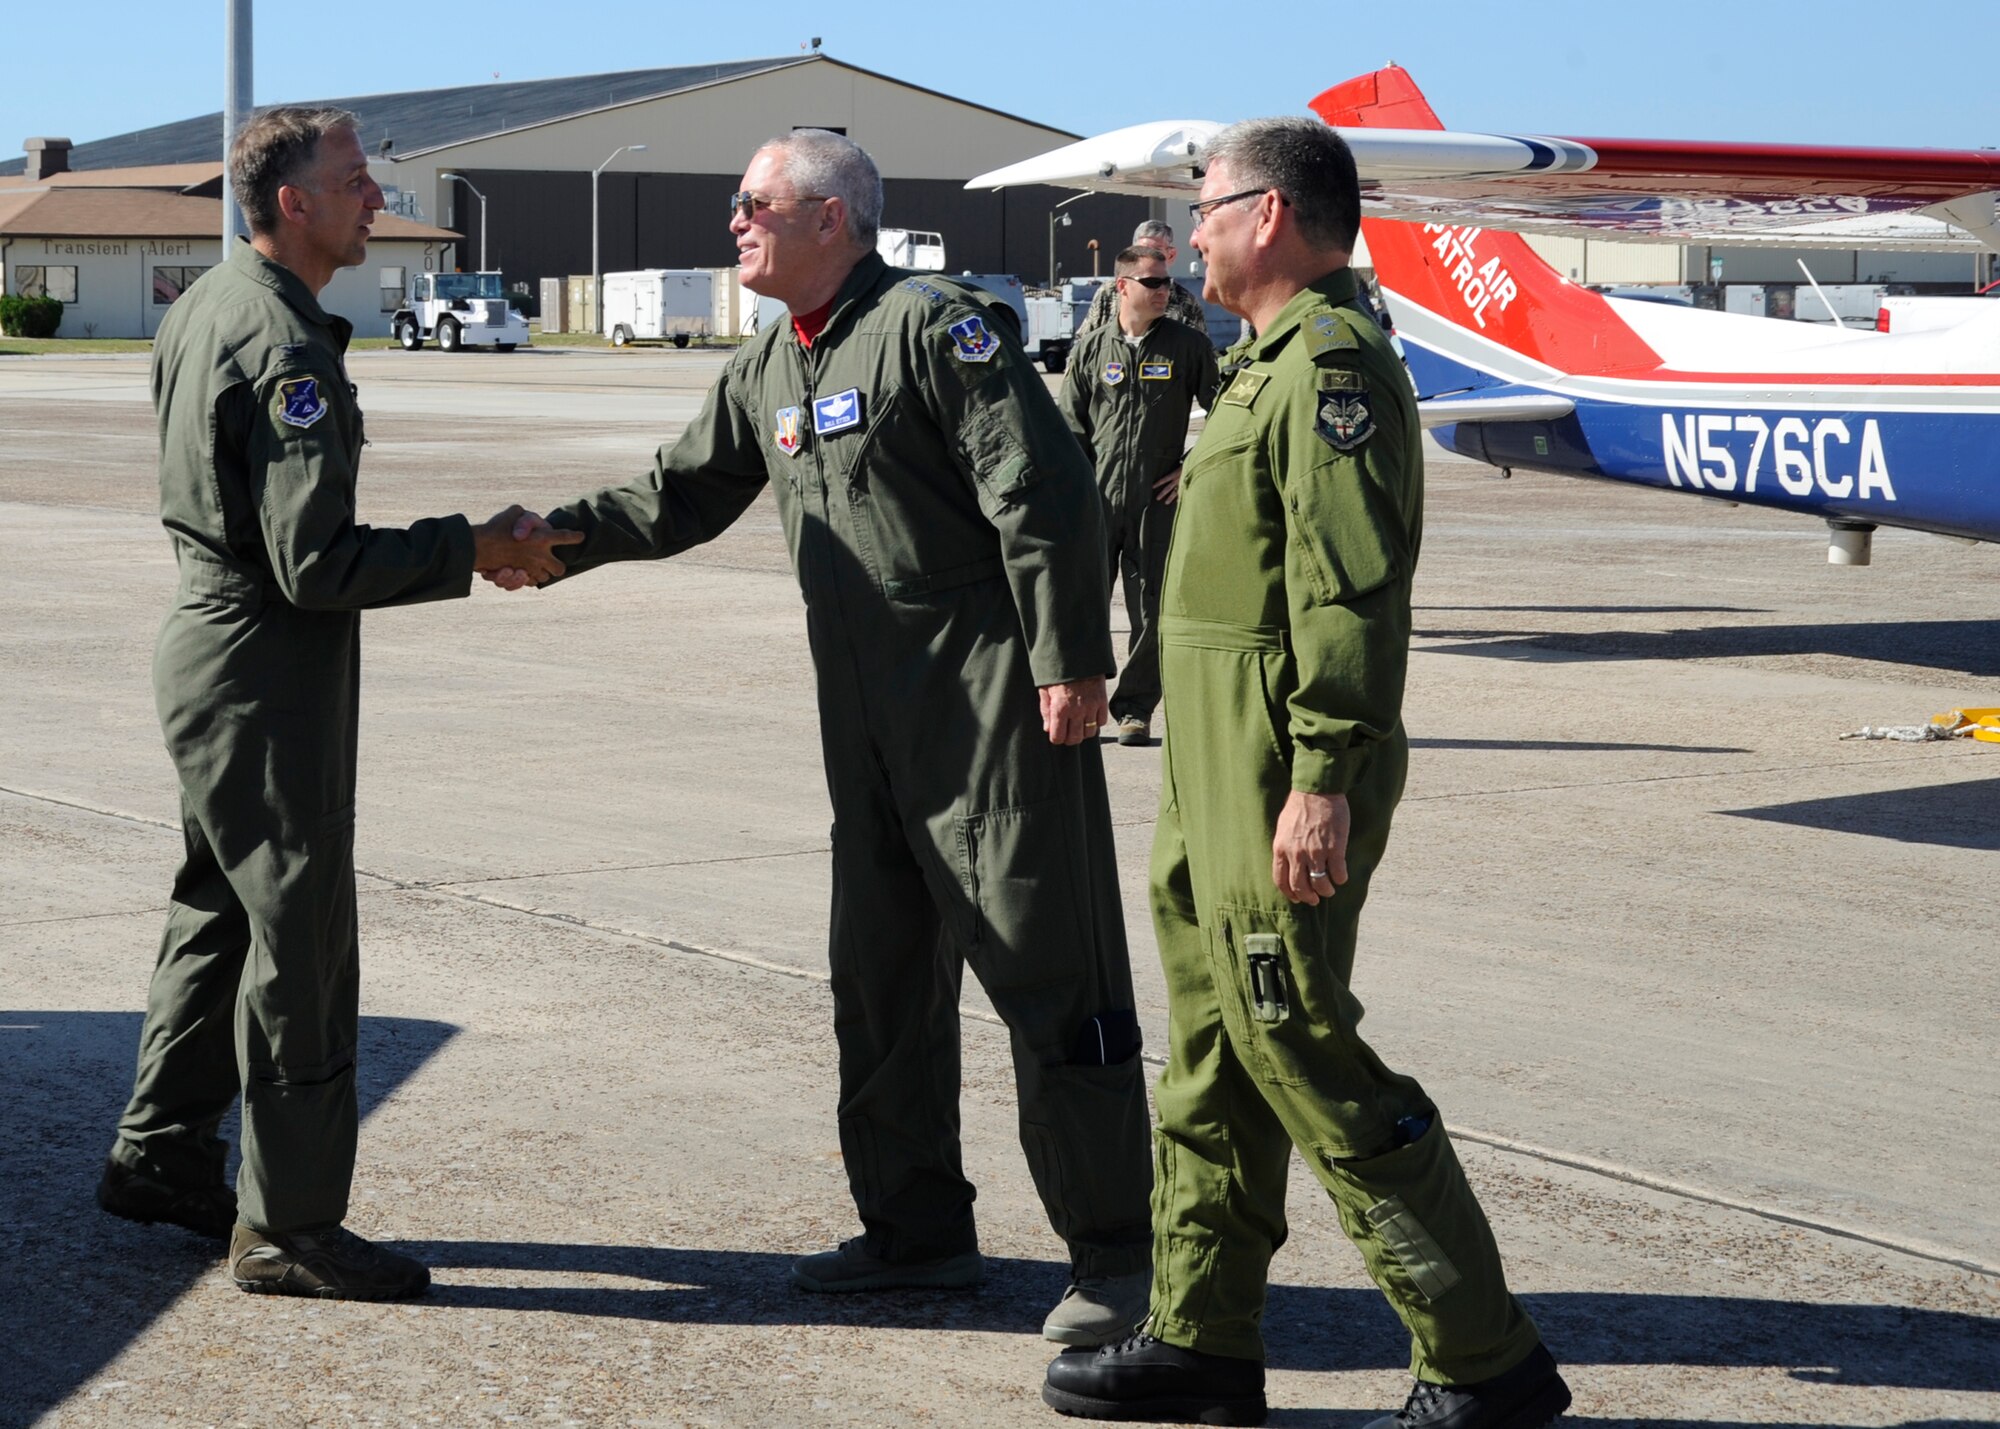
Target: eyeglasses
[746, 204]
[1156, 282]
[1200, 211]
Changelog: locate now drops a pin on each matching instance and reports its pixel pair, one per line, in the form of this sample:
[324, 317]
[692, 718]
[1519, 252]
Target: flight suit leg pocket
[1020, 875]
[1296, 1015]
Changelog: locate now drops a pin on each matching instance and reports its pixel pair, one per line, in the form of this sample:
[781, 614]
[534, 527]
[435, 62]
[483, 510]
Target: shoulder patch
[1345, 419]
[1328, 332]
[299, 402]
[1114, 372]
[971, 342]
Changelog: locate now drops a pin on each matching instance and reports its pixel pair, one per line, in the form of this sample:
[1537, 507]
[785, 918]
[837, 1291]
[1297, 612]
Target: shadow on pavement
[1970, 647]
[1606, 609]
[1944, 815]
[1575, 746]
[1306, 1327]
[66, 1076]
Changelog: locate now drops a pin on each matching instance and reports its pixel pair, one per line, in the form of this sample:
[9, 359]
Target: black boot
[207, 1210]
[1527, 1396]
[1147, 1379]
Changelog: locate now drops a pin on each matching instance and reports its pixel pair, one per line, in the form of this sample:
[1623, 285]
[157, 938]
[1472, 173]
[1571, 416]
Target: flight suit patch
[971, 342]
[299, 402]
[1114, 373]
[837, 413]
[788, 430]
[1346, 416]
[1243, 388]
[1156, 371]
[1328, 332]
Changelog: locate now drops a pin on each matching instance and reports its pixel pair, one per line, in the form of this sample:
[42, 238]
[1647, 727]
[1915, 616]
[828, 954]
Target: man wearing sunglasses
[946, 534]
[1182, 306]
[1284, 640]
[1126, 393]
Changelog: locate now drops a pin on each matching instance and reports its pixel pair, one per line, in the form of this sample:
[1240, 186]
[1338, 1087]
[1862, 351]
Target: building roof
[422, 119]
[120, 213]
[184, 178]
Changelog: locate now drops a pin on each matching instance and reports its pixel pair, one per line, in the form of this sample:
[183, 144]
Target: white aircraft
[1517, 366]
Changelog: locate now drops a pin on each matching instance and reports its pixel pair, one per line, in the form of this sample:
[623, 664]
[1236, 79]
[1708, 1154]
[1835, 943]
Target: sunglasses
[1155, 283]
[746, 204]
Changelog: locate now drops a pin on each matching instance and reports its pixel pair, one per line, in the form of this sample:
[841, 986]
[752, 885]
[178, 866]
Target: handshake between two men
[515, 549]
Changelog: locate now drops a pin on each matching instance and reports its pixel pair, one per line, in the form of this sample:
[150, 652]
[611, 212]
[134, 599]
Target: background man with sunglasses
[1284, 639]
[946, 534]
[1182, 305]
[1126, 393]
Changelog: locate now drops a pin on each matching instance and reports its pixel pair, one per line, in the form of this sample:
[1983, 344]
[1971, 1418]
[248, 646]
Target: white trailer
[659, 305]
[911, 248]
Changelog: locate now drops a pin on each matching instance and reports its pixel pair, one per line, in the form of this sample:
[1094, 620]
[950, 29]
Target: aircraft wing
[1630, 189]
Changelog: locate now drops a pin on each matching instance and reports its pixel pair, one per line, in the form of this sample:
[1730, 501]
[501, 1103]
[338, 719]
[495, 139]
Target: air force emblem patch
[971, 342]
[1345, 419]
[787, 430]
[837, 413]
[300, 404]
[1114, 373]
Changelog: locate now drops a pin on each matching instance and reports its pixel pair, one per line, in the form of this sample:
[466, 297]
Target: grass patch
[71, 346]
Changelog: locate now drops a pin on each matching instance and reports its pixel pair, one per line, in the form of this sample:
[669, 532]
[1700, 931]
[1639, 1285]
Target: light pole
[596, 272]
[482, 214]
[1058, 217]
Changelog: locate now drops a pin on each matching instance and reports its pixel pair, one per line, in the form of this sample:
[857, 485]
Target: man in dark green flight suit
[1284, 638]
[944, 528]
[1127, 393]
[257, 678]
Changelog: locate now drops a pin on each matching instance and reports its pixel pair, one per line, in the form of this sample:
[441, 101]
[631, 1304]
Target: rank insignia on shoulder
[299, 402]
[1345, 419]
[837, 413]
[1329, 332]
[1114, 373]
[788, 430]
[1156, 371]
[928, 290]
[971, 342]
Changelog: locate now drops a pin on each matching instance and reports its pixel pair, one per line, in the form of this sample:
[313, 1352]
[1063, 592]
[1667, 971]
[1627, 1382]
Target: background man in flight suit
[1182, 306]
[257, 678]
[1284, 637]
[945, 532]
[1126, 394]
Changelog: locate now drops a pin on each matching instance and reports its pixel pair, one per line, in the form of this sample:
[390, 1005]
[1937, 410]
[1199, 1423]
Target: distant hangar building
[530, 149]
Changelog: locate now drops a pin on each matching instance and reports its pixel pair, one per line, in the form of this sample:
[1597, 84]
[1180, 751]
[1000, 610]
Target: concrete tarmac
[1705, 994]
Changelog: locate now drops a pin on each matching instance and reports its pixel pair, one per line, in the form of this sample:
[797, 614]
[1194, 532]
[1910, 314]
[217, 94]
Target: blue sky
[1831, 71]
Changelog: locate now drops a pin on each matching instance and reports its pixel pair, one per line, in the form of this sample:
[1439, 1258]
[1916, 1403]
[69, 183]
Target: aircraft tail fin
[1457, 292]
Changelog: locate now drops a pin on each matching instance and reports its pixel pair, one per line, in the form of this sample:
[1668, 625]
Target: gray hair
[819, 161]
[1154, 234]
[274, 149]
[1307, 162]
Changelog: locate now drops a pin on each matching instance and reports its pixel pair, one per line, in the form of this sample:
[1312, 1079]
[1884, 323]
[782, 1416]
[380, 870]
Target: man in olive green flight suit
[1182, 306]
[257, 679]
[1284, 637]
[944, 528]
[1127, 393]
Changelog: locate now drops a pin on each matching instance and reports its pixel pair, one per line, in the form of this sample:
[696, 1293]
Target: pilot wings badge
[837, 413]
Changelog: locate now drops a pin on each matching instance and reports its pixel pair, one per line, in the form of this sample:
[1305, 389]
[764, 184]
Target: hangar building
[530, 148]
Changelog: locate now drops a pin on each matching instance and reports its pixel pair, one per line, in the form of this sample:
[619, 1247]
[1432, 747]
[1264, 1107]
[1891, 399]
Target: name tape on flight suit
[837, 413]
[1156, 371]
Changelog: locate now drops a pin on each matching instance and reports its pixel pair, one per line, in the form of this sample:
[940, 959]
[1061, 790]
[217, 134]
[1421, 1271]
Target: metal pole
[596, 274]
[461, 178]
[236, 107]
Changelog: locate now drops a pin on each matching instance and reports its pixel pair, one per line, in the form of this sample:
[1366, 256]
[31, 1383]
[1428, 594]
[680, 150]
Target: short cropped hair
[1129, 259]
[1154, 232]
[276, 148]
[819, 161]
[1307, 162]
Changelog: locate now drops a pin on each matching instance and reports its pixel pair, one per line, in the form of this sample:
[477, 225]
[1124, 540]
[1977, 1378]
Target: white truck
[673, 305]
[1911, 313]
[911, 248]
[459, 310]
